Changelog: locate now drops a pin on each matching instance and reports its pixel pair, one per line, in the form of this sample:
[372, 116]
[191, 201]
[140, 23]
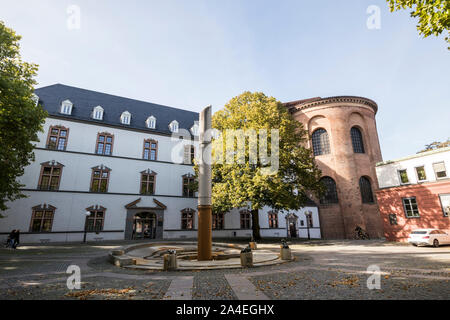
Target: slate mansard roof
[84, 101]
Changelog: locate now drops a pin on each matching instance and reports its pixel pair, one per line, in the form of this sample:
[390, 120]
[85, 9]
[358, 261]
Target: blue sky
[191, 53]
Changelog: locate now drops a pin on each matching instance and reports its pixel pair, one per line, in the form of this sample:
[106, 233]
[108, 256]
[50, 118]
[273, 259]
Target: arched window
[357, 140]
[125, 118]
[366, 190]
[151, 122]
[330, 195]
[66, 107]
[174, 126]
[97, 113]
[320, 142]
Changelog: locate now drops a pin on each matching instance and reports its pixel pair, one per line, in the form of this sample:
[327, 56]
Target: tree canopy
[434, 15]
[20, 116]
[258, 181]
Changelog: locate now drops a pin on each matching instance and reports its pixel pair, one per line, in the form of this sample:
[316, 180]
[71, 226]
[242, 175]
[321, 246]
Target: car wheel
[435, 243]
[414, 244]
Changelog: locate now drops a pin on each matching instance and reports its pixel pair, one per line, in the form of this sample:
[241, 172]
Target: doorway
[144, 226]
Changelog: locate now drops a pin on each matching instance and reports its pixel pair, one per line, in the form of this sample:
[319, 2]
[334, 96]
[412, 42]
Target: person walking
[16, 239]
[10, 241]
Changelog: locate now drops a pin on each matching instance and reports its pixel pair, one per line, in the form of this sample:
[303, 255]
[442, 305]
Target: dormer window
[66, 107]
[174, 126]
[195, 129]
[125, 118]
[97, 113]
[35, 99]
[151, 122]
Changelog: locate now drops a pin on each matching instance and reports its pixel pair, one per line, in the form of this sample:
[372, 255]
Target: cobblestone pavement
[321, 270]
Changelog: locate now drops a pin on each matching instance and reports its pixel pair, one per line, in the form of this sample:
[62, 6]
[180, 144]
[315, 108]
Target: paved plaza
[321, 270]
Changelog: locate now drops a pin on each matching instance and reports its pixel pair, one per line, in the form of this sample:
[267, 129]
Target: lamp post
[87, 214]
[308, 214]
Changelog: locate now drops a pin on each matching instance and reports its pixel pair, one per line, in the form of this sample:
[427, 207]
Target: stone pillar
[204, 248]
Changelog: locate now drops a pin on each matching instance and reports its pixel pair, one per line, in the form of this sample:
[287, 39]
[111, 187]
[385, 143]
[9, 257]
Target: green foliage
[434, 15]
[20, 118]
[436, 145]
[237, 185]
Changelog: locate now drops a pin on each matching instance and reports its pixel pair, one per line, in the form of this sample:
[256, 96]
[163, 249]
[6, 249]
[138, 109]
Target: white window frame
[400, 177]
[66, 107]
[98, 110]
[417, 174]
[174, 126]
[195, 129]
[406, 211]
[445, 170]
[125, 118]
[151, 122]
[35, 99]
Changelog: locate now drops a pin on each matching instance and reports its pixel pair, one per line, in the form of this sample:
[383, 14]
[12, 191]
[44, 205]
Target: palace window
[195, 129]
[100, 179]
[150, 150]
[97, 113]
[309, 221]
[421, 175]
[174, 126]
[95, 221]
[218, 221]
[42, 218]
[273, 220]
[57, 138]
[187, 219]
[393, 219]
[105, 142]
[50, 175]
[357, 140]
[151, 122]
[403, 175]
[35, 99]
[330, 195]
[188, 188]
[320, 142]
[66, 107]
[411, 208]
[245, 219]
[125, 118]
[148, 182]
[189, 154]
[439, 170]
[366, 190]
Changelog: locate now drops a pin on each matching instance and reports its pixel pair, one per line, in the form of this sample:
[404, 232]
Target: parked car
[429, 237]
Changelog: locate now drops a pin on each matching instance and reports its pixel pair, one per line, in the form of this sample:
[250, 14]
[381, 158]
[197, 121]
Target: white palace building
[104, 169]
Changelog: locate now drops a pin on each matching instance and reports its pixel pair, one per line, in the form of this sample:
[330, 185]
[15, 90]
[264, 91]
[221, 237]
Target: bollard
[247, 258]
[286, 254]
[170, 261]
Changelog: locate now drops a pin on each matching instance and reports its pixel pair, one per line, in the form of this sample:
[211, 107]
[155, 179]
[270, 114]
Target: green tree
[20, 117]
[237, 185]
[434, 15]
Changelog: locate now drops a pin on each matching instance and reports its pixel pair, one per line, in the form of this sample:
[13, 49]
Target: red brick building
[344, 138]
[414, 193]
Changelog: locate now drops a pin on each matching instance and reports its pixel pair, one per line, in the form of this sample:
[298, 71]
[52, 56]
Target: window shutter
[187, 154]
[439, 167]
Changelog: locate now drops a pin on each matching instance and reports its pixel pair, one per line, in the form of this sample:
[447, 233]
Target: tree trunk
[255, 225]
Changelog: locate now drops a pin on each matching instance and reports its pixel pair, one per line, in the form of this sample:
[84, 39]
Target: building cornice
[296, 106]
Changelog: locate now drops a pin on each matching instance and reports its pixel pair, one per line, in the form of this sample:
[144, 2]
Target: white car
[429, 237]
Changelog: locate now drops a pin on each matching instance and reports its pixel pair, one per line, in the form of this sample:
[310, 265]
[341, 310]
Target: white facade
[388, 172]
[123, 200]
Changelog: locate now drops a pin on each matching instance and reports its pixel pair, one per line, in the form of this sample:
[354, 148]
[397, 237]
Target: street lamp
[87, 214]
[308, 214]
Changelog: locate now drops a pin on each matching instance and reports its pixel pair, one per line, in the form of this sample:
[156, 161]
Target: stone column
[204, 248]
